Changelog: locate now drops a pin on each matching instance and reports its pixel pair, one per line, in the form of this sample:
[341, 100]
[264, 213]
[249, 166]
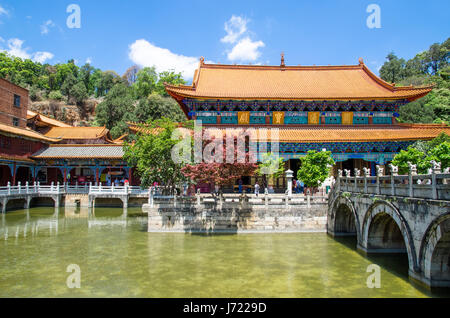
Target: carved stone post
[357, 174]
[394, 173]
[380, 172]
[411, 172]
[366, 175]
[289, 176]
[436, 170]
[339, 180]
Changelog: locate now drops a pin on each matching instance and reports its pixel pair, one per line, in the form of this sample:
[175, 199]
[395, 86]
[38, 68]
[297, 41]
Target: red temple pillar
[96, 176]
[14, 175]
[65, 175]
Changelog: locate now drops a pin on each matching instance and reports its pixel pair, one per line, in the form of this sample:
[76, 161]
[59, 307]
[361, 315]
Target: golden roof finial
[282, 60]
[361, 61]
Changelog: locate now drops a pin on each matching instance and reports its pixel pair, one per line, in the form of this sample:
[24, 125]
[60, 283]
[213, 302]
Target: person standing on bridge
[256, 189]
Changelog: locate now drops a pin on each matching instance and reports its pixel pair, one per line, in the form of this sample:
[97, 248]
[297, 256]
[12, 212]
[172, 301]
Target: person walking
[240, 185]
[256, 189]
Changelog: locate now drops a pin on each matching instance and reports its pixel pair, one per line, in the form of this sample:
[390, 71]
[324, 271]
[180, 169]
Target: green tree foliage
[145, 82]
[116, 109]
[315, 167]
[271, 167]
[428, 67]
[79, 93]
[168, 77]
[413, 156]
[156, 106]
[422, 152]
[68, 85]
[151, 154]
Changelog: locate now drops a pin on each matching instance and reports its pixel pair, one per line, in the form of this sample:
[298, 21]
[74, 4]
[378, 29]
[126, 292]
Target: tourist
[116, 182]
[256, 189]
[240, 185]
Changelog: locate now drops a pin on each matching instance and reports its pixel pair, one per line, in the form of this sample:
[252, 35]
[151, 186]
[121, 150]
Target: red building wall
[7, 109]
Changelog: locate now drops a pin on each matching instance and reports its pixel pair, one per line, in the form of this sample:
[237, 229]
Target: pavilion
[347, 110]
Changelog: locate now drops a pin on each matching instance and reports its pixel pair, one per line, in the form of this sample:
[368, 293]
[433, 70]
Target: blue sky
[174, 34]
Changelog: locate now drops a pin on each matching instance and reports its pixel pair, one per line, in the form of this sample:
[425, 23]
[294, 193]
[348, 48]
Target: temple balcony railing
[433, 185]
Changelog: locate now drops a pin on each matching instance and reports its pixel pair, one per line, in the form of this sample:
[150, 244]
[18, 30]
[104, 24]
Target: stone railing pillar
[57, 187]
[198, 197]
[436, 170]
[266, 197]
[339, 180]
[412, 171]
[9, 187]
[26, 187]
[357, 174]
[366, 172]
[380, 172]
[289, 176]
[19, 187]
[34, 187]
[394, 173]
[51, 186]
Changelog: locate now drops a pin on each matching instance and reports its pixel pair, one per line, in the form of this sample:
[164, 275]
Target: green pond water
[118, 258]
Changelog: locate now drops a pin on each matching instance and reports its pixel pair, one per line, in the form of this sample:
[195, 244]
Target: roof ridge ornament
[202, 60]
[282, 60]
[361, 61]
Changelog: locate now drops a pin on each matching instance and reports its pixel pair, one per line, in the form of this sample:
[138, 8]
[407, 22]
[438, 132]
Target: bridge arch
[344, 219]
[434, 255]
[384, 228]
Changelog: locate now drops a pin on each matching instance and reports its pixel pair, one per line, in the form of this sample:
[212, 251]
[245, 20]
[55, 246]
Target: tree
[151, 154]
[441, 153]
[168, 77]
[79, 92]
[156, 106]
[116, 110]
[413, 156]
[393, 70]
[146, 82]
[271, 167]
[315, 167]
[66, 88]
[221, 173]
[131, 74]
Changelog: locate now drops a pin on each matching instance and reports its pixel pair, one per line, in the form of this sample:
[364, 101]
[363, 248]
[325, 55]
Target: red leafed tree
[221, 173]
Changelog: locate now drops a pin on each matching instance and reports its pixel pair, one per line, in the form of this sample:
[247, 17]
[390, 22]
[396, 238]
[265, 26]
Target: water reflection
[118, 258]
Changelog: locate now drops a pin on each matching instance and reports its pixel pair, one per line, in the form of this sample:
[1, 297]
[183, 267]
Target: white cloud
[1, 39]
[89, 60]
[41, 57]
[145, 54]
[235, 27]
[246, 50]
[45, 28]
[3, 11]
[15, 48]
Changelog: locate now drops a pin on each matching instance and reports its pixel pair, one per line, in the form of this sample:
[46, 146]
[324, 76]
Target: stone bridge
[397, 214]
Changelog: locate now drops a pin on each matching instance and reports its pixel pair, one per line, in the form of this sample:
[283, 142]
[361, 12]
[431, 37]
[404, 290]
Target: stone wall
[235, 218]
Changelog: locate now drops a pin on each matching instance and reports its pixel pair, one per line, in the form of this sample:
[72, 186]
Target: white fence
[434, 185]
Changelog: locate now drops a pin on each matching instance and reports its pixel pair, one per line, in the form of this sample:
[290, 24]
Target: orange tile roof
[15, 158]
[77, 132]
[348, 134]
[47, 120]
[27, 133]
[352, 82]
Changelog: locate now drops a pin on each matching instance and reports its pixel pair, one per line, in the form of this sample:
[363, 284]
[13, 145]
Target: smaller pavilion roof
[109, 151]
[45, 120]
[77, 132]
[26, 133]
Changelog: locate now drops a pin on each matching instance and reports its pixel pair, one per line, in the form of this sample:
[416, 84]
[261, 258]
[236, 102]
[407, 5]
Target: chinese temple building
[347, 110]
[35, 147]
